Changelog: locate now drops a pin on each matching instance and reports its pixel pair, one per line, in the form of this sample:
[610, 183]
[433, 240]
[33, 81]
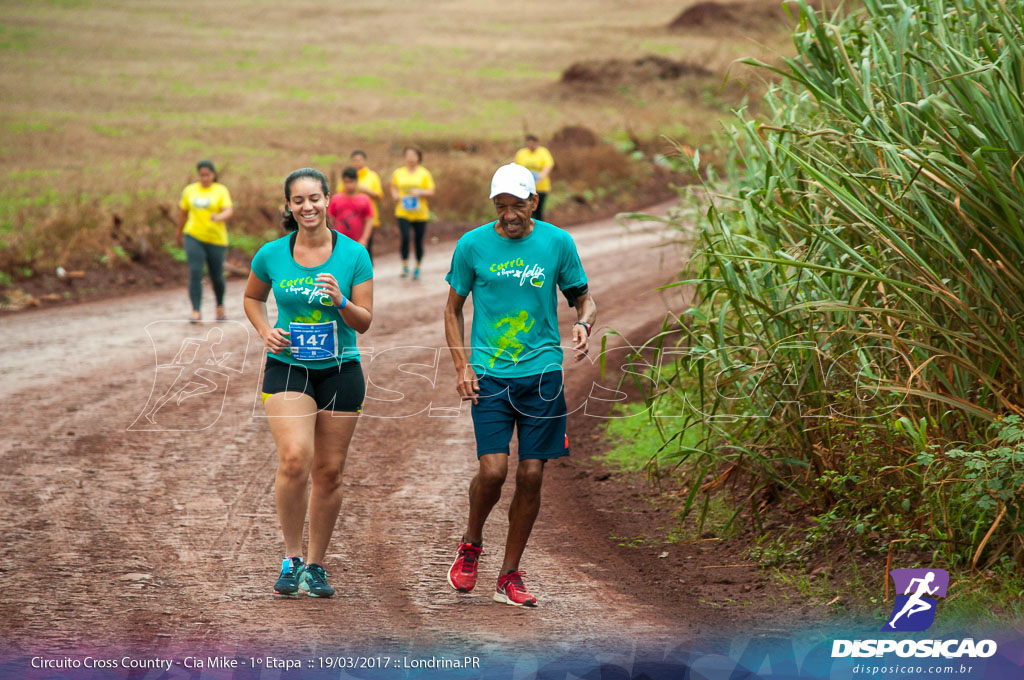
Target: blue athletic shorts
[534, 405]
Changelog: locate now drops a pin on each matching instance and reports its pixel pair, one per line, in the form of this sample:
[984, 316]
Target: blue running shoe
[313, 580]
[288, 582]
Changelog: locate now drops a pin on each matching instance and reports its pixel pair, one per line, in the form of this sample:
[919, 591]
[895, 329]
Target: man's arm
[545, 172]
[364, 238]
[455, 336]
[586, 312]
[372, 189]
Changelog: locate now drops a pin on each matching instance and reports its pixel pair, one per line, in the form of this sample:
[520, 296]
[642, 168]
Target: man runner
[537, 159]
[514, 374]
[369, 184]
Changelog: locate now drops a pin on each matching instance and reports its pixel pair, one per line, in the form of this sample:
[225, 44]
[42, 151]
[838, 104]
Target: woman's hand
[328, 285]
[276, 340]
[224, 215]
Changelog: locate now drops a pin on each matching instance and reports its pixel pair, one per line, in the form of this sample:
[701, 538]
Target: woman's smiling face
[308, 202]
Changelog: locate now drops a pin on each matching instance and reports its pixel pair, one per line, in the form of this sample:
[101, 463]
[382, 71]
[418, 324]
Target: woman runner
[313, 385]
[411, 186]
[205, 207]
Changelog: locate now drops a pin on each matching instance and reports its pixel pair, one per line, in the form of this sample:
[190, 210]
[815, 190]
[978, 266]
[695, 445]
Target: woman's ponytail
[288, 222]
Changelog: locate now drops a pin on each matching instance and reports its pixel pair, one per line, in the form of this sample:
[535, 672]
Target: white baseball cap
[513, 179]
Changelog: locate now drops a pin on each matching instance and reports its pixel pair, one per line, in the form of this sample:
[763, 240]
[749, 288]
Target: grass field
[107, 106]
[255, 76]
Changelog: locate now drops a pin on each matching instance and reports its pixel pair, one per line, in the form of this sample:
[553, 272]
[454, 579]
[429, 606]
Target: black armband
[572, 294]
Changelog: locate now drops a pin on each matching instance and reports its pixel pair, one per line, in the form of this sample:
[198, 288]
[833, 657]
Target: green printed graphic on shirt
[316, 316]
[513, 285]
[506, 342]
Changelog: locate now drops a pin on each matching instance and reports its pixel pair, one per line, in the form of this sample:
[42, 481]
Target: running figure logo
[914, 610]
[201, 366]
[507, 343]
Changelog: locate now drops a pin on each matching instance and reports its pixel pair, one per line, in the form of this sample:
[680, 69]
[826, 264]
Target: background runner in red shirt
[352, 210]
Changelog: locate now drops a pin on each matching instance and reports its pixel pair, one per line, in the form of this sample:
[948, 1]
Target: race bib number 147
[313, 341]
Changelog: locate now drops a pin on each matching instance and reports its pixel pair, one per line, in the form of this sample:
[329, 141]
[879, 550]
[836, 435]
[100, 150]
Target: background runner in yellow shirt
[205, 207]
[411, 185]
[369, 184]
[537, 159]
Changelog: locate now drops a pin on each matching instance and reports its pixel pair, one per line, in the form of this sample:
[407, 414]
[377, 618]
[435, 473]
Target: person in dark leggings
[205, 209]
[412, 234]
[411, 186]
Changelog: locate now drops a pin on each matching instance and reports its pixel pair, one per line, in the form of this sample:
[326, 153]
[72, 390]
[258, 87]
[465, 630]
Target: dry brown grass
[106, 107]
[92, 232]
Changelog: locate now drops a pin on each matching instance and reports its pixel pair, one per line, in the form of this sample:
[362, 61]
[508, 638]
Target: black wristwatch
[585, 325]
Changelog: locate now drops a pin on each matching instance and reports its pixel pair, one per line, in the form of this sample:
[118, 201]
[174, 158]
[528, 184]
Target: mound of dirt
[722, 15]
[617, 71]
[574, 136]
[705, 14]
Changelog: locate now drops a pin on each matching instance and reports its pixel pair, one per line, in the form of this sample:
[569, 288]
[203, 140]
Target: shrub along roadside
[85, 230]
[855, 340]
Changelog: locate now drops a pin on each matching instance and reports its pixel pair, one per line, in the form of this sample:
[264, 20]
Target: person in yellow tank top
[537, 159]
[411, 186]
[202, 231]
[369, 184]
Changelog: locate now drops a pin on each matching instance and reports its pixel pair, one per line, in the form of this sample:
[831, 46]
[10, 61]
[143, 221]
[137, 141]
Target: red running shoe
[512, 591]
[462, 575]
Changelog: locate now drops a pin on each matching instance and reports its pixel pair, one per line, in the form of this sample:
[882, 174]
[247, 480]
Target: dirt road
[162, 532]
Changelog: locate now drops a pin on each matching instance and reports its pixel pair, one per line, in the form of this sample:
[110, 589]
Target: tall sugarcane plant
[860, 283]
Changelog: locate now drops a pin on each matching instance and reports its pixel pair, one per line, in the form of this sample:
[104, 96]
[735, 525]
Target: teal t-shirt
[293, 287]
[515, 302]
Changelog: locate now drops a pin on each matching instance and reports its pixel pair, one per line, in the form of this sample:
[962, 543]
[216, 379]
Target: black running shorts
[338, 388]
